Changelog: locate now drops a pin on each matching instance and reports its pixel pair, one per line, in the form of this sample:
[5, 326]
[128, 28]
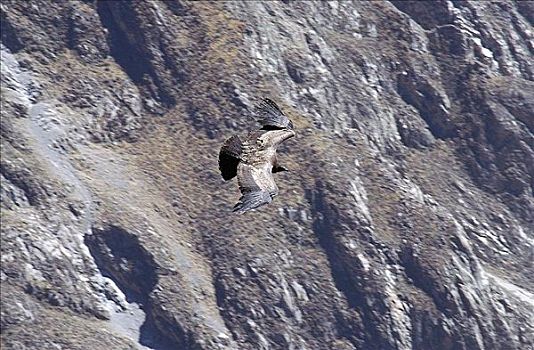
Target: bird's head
[275, 137]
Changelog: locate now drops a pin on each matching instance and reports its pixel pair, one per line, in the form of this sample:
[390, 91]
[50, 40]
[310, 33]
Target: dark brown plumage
[254, 160]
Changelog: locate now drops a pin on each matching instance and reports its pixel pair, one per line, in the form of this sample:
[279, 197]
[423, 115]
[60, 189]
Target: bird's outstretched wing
[229, 157]
[254, 192]
[271, 116]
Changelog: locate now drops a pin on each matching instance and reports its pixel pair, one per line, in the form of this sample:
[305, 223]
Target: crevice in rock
[9, 35]
[428, 14]
[497, 159]
[33, 192]
[120, 257]
[128, 56]
[429, 333]
[526, 9]
[422, 280]
[428, 102]
[120, 20]
[220, 291]
[346, 280]
[221, 300]
[413, 135]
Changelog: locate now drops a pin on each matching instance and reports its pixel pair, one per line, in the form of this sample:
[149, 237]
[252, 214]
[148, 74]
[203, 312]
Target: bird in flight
[254, 160]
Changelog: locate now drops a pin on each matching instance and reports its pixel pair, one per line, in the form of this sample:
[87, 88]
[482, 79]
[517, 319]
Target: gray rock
[405, 223]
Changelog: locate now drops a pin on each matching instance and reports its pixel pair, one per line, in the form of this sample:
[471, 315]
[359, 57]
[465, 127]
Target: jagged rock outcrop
[405, 223]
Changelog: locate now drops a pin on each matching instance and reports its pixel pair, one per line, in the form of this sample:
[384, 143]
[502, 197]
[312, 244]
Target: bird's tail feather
[252, 200]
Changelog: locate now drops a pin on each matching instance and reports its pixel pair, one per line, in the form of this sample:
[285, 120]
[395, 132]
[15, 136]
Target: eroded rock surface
[405, 223]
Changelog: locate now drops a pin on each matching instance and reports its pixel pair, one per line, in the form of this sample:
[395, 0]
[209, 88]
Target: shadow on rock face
[120, 257]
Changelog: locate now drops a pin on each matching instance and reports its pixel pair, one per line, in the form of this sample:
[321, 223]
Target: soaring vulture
[253, 160]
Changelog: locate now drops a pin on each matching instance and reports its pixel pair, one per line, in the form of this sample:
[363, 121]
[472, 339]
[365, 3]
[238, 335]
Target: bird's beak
[288, 133]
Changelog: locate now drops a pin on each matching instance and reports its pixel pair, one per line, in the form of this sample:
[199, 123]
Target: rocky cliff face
[405, 223]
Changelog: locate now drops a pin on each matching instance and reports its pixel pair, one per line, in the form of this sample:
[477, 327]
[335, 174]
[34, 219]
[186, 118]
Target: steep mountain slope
[406, 221]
